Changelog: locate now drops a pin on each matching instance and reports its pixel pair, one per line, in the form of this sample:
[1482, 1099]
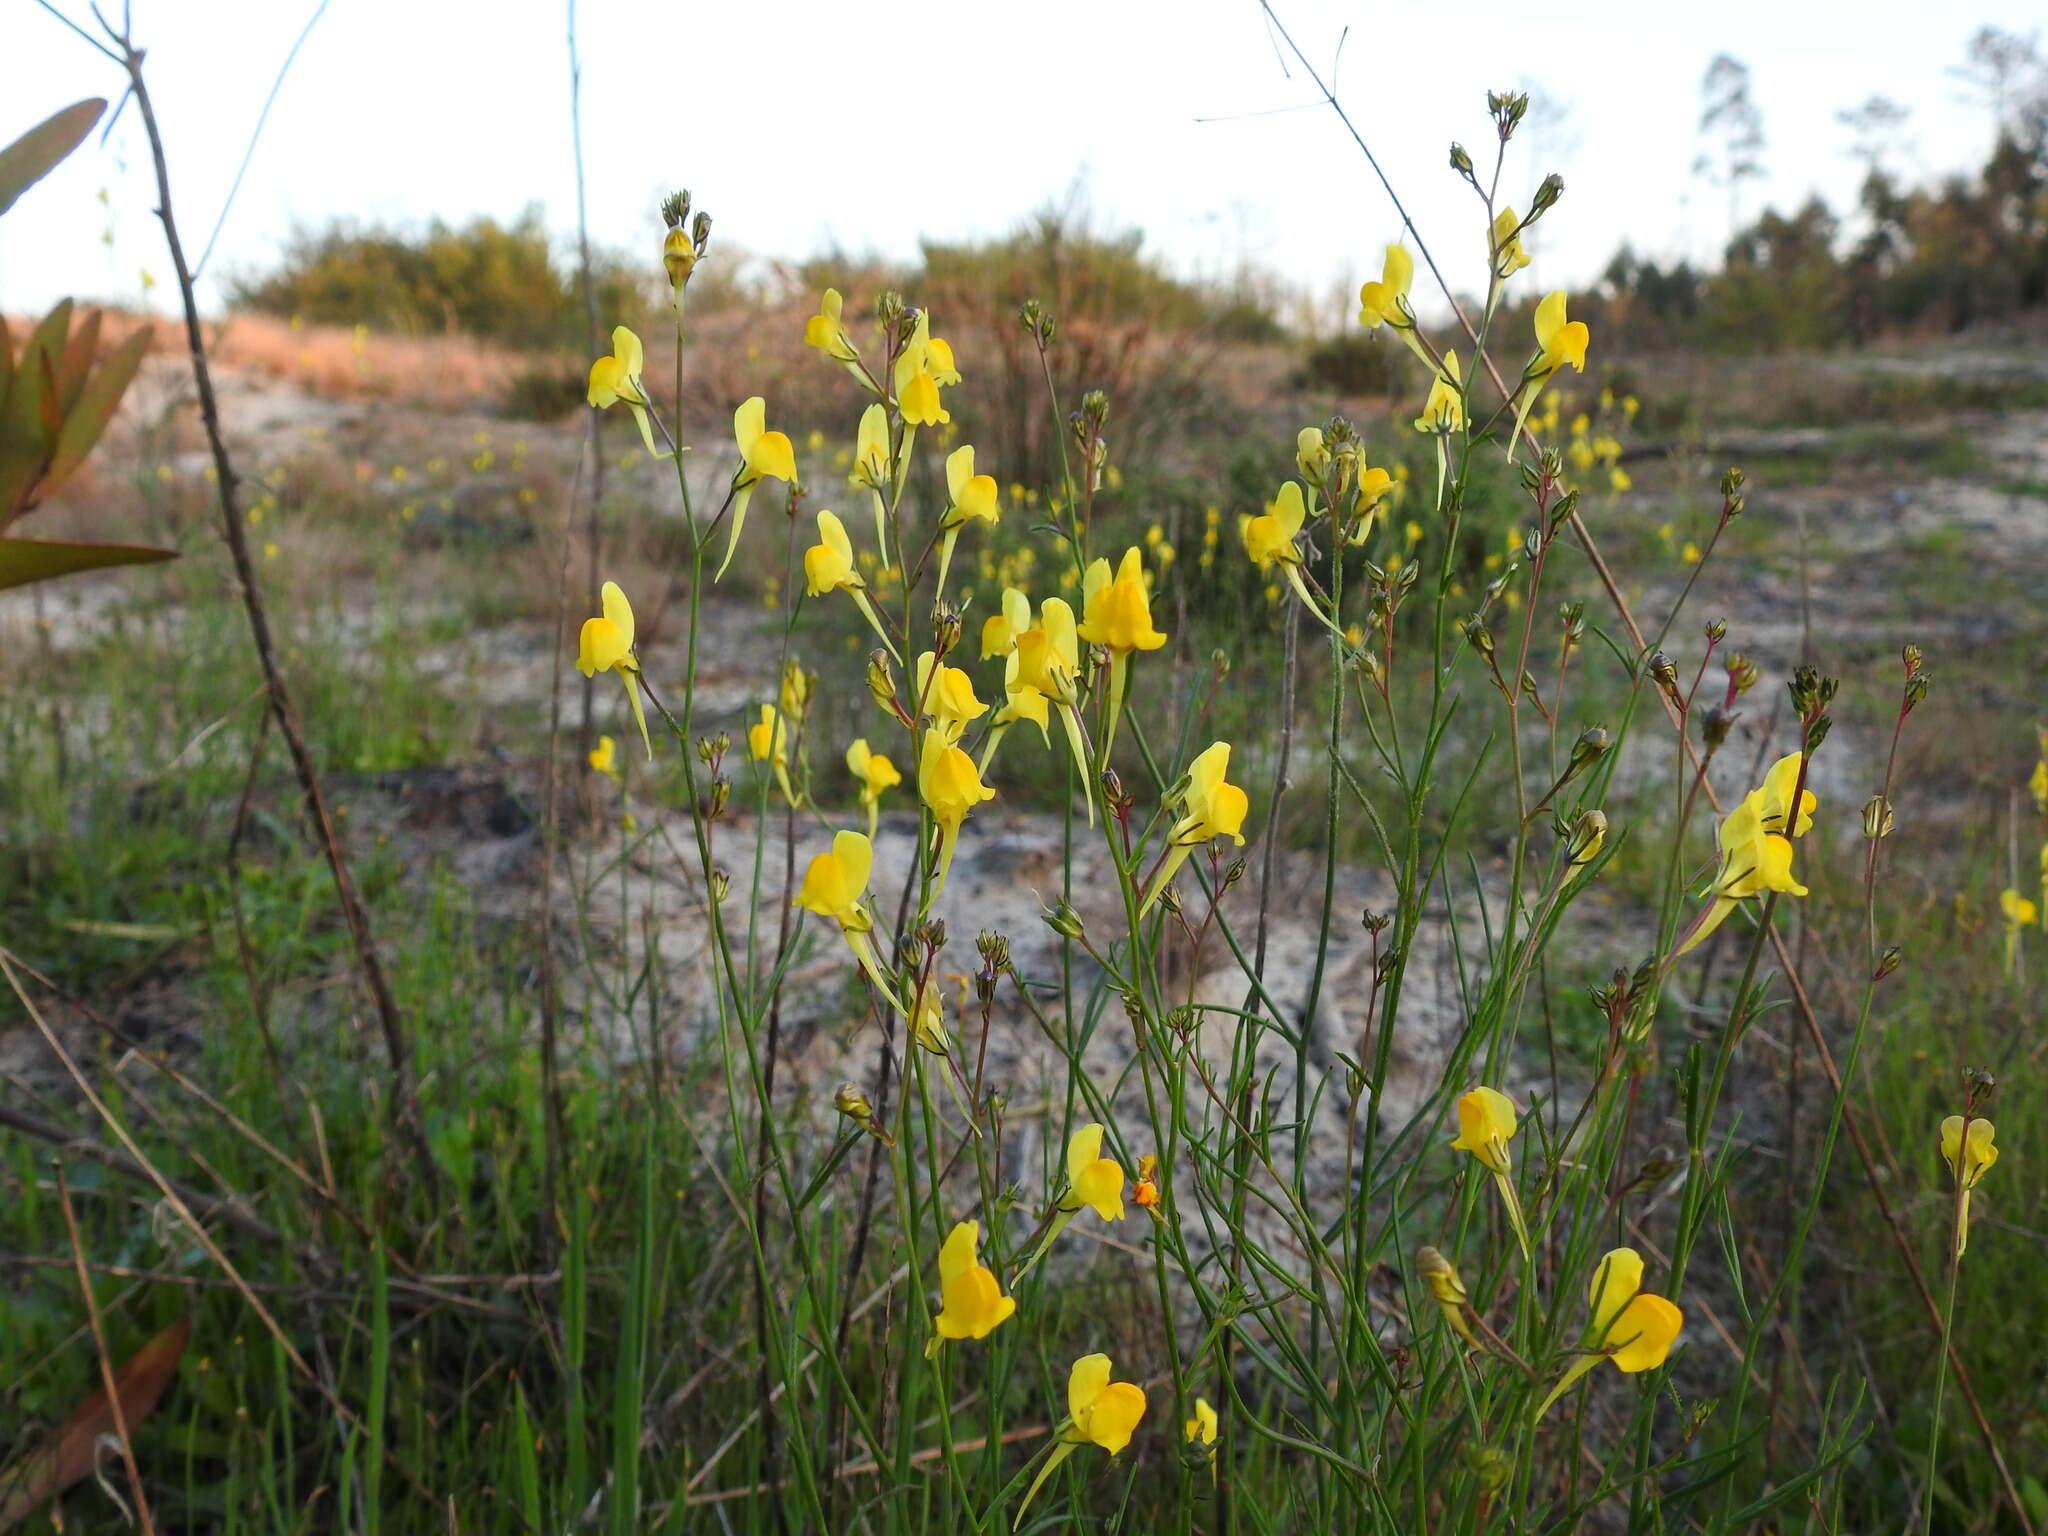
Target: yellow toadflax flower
[1630, 1326]
[1099, 1412]
[835, 886]
[1117, 613]
[972, 1304]
[1386, 301]
[950, 785]
[1269, 540]
[829, 566]
[1444, 411]
[1508, 255]
[876, 773]
[2019, 912]
[615, 380]
[1967, 1149]
[1558, 341]
[604, 757]
[1756, 846]
[925, 367]
[1201, 1429]
[768, 742]
[764, 455]
[1211, 806]
[973, 496]
[827, 333]
[871, 468]
[1486, 1124]
[1093, 1182]
[606, 645]
[947, 697]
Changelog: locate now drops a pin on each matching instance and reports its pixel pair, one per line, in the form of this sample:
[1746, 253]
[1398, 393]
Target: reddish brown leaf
[74, 1450]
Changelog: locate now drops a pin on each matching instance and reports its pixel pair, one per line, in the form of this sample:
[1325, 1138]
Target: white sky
[803, 125]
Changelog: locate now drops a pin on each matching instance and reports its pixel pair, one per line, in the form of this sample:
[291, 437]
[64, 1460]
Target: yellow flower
[1486, 1124]
[1558, 340]
[875, 774]
[1311, 458]
[973, 495]
[972, 1303]
[1093, 1180]
[2037, 786]
[1270, 536]
[604, 758]
[1201, 1429]
[1756, 848]
[828, 564]
[768, 742]
[606, 645]
[999, 631]
[835, 882]
[1444, 411]
[1117, 613]
[825, 332]
[1969, 1153]
[925, 366]
[835, 886]
[1105, 1412]
[616, 379]
[1630, 1326]
[1386, 300]
[764, 455]
[1211, 806]
[2019, 910]
[947, 696]
[950, 785]
[1100, 1412]
[1049, 653]
[1508, 255]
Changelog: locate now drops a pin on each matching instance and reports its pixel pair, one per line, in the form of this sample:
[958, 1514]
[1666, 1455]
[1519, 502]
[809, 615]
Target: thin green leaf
[25, 560]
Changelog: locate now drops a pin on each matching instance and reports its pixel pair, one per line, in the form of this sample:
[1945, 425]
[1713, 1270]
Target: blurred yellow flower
[1201, 1429]
[768, 742]
[604, 758]
[1445, 1284]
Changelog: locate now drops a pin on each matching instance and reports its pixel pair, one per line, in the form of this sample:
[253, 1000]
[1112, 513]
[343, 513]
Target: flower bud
[1715, 724]
[1741, 672]
[719, 796]
[881, 685]
[1547, 195]
[1479, 635]
[1491, 1467]
[1441, 1276]
[1877, 817]
[720, 886]
[1888, 962]
[994, 950]
[678, 258]
[1916, 688]
[1817, 732]
[1460, 161]
[1716, 631]
[1592, 744]
[853, 1104]
[1910, 655]
[1665, 671]
[700, 232]
[1064, 920]
[1376, 922]
[1731, 483]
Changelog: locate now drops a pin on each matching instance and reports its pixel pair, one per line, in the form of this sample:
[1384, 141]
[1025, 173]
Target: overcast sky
[807, 126]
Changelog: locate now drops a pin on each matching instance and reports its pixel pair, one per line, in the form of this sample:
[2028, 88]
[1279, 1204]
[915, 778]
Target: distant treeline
[1909, 261]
